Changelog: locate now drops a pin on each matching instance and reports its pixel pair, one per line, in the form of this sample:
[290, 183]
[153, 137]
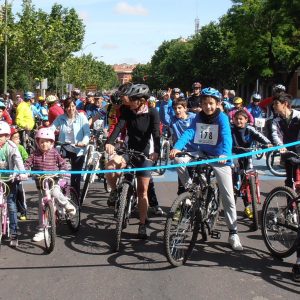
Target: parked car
[296, 103]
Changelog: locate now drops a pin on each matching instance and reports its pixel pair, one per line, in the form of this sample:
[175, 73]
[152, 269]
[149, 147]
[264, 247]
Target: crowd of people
[208, 122]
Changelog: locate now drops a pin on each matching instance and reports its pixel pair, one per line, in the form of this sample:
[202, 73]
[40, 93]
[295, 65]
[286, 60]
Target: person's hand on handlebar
[110, 149]
[153, 156]
[173, 153]
[80, 144]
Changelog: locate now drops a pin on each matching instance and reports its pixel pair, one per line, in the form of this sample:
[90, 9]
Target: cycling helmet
[90, 94]
[256, 97]
[279, 88]
[4, 128]
[237, 100]
[45, 133]
[51, 99]
[212, 93]
[28, 96]
[124, 88]
[2, 105]
[138, 91]
[115, 98]
[176, 90]
[152, 99]
[196, 85]
[41, 99]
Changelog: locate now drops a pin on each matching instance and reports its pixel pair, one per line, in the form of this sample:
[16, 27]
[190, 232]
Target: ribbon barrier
[206, 161]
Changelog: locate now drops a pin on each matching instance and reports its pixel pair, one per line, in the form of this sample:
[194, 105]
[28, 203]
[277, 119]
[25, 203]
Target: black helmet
[139, 91]
[115, 98]
[123, 88]
[98, 95]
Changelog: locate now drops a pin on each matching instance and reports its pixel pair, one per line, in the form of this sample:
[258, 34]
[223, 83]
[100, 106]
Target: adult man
[193, 104]
[55, 109]
[24, 116]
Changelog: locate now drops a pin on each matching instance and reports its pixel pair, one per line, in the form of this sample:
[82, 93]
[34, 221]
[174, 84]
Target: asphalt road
[84, 267]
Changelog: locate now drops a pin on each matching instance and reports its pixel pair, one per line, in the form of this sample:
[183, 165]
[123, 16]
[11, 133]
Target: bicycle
[27, 140]
[4, 192]
[274, 164]
[53, 212]
[127, 199]
[247, 183]
[193, 211]
[163, 159]
[259, 124]
[280, 221]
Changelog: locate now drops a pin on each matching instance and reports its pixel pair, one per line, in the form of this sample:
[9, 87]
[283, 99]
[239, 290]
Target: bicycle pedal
[214, 234]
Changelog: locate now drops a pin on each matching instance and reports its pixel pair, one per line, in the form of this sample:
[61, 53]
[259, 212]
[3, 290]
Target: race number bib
[206, 134]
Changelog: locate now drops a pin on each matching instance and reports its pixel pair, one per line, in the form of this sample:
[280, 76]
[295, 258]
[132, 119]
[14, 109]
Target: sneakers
[23, 217]
[14, 242]
[248, 213]
[296, 272]
[112, 198]
[142, 232]
[39, 236]
[70, 209]
[235, 242]
[157, 210]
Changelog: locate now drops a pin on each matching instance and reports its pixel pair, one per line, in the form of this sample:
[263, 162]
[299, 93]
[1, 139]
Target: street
[84, 267]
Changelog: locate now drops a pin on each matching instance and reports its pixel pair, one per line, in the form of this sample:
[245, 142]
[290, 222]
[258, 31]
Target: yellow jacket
[24, 116]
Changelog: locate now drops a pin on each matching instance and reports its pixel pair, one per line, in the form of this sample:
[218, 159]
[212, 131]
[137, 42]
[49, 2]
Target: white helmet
[4, 128]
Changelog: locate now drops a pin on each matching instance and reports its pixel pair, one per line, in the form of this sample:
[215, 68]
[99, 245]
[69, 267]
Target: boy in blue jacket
[211, 131]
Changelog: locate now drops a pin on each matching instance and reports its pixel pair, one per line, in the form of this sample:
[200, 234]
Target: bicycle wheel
[257, 146]
[181, 229]
[49, 227]
[1, 224]
[86, 185]
[106, 186]
[280, 222]
[123, 194]
[254, 200]
[164, 157]
[273, 164]
[74, 221]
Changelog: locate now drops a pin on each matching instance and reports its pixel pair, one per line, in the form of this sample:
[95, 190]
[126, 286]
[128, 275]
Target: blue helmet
[212, 93]
[28, 95]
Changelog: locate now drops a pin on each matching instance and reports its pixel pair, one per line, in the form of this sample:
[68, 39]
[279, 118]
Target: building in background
[124, 72]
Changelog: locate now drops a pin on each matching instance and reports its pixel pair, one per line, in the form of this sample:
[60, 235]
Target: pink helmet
[45, 133]
[4, 128]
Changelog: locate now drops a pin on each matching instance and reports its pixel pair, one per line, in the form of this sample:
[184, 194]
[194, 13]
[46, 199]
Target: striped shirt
[45, 161]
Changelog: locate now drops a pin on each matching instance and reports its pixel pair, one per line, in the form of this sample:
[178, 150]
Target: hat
[13, 130]
[237, 100]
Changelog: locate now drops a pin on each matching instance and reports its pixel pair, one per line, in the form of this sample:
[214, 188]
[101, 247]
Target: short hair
[283, 97]
[180, 101]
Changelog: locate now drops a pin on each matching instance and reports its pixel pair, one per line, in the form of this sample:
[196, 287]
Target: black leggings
[76, 165]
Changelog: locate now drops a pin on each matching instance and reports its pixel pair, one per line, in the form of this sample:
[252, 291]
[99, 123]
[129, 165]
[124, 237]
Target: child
[10, 159]
[238, 105]
[179, 123]
[211, 131]
[46, 158]
[243, 136]
[20, 197]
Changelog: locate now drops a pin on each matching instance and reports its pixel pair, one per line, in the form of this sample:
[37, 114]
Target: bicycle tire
[74, 221]
[277, 224]
[106, 186]
[257, 146]
[164, 158]
[86, 185]
[124, 188]
[254, 200]
[175, 236]
[1, 225]
[273, 164]
[49, 227]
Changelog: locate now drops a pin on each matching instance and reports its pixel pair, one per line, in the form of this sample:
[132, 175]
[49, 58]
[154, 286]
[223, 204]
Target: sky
[130, 31]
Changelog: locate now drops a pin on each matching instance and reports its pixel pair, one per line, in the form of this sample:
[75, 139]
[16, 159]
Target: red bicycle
[246, 184]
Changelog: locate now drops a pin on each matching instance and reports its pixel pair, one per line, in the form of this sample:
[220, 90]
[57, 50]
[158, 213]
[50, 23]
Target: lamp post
[83, 48]
[5, 49]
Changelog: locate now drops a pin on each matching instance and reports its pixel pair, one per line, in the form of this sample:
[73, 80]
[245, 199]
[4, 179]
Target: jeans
[12, 208]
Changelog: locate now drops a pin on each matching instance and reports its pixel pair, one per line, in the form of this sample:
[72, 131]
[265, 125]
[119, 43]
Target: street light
[83, 48]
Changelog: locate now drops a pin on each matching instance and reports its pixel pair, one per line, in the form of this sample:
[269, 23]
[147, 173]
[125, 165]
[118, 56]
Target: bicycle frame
[3, 205]
[245, 186]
